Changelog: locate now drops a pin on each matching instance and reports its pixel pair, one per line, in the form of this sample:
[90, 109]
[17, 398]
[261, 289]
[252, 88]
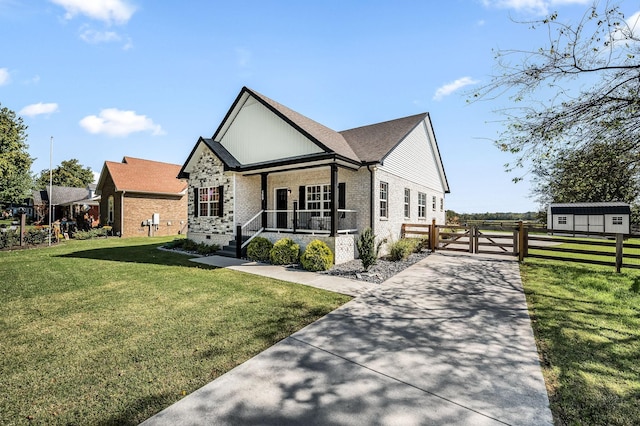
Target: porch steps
[230, 249]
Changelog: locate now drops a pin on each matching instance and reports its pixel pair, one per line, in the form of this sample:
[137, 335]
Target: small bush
[284, 252]
[259, 249]
[421, 244]
[368, 249]
[177, 243]
[402, 249]
[92, 233]
[36, 236]
[317, 257]
[206, 249]
[8, 239]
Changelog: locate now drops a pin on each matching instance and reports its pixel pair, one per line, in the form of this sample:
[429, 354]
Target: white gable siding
[258, 135]
[414, 159]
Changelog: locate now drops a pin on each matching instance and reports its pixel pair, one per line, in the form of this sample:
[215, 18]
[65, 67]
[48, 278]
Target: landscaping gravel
[378, 273]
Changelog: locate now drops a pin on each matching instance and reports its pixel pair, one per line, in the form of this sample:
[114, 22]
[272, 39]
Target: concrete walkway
[447, 341]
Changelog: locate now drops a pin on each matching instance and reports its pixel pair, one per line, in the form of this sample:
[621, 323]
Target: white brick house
[271, 171]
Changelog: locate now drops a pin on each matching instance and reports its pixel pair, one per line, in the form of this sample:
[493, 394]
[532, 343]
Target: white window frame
[407, 203]
[422, 205]
[384, 199]
[562, 220]
[617, 220]
[318, 199]
[208, 201]
[433, 203]
[441, 204]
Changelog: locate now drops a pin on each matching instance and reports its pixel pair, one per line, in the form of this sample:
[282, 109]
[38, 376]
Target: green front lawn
[111, 331]
[586, 319]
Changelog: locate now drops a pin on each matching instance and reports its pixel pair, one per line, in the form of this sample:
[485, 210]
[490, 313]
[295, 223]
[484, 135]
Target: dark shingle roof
[614, 207]
[374, 142]
[60, 195]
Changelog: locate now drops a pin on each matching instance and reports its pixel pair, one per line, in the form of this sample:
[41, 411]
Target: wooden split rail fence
[528, 240]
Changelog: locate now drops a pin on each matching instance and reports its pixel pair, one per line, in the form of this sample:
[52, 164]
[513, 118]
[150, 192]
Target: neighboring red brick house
[142, 198]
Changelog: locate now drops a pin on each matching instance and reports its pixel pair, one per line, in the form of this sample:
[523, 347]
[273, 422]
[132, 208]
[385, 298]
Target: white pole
[50, 186]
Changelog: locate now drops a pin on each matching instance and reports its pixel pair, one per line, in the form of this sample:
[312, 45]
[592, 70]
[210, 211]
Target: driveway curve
[447, 341]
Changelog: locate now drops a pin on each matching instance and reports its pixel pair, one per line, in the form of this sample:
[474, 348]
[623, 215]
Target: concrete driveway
[447, 341]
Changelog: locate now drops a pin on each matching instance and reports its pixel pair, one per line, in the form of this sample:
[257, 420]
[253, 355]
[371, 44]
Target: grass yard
[586, 319]
[112, 331]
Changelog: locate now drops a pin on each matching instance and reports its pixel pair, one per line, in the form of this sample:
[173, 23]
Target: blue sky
[142, 78]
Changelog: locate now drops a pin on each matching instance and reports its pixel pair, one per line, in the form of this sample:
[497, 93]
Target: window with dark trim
[384, 199]
[562, 220]
[209, 201]
[407, 203]
[616, 220]
[422, 205]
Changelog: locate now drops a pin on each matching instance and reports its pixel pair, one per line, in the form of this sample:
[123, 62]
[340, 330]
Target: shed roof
[143, 176]
[614, 207]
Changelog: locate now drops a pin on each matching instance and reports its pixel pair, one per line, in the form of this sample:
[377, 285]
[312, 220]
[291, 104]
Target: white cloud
[108, 11]
[5, 77]
[114, 122]
[39, 109]
[449, 88]
[93, 36]
[539, 7]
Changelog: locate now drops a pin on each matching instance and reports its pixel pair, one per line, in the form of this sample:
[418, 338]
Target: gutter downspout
[122, 213]
[372, 199]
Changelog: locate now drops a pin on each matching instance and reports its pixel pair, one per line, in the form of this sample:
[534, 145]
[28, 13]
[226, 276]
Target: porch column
[334, 201]
[263, 185]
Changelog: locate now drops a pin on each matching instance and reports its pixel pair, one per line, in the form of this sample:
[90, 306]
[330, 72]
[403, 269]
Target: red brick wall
[138, 208]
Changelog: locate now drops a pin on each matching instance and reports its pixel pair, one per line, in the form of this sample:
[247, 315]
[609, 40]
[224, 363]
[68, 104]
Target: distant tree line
[461, 218]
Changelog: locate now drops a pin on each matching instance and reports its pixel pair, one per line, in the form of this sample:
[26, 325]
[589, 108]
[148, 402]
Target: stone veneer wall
[211, 230]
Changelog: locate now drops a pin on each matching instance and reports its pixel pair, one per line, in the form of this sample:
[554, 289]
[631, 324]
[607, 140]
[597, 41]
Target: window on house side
[209, 201]
[562, 220]
[384, 198]
[616, 220]
[407, 203]
[110, 209]
[433, 203]
[422, 205]
[441, 204]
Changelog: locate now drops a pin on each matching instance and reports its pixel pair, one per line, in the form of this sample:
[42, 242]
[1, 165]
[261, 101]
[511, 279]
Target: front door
[281, 207]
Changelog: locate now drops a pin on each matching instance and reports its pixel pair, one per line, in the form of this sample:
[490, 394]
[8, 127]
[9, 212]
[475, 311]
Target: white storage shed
[612, 217]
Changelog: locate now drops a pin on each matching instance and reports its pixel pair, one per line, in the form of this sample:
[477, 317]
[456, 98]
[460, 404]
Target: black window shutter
[302, 200]
[196, 208]
[221, 201]
[342, 195]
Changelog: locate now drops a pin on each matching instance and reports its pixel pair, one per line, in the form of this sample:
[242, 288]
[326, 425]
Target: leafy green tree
[580, 89]
[15, 162]
[598, 172]
[69, 173]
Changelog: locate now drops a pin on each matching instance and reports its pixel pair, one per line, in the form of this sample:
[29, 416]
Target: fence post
[521, 241]
[295, 216]
[471, 236]
[402, 230]
[476, 238]
[434, 235]
[619, 246]
[238, 241]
